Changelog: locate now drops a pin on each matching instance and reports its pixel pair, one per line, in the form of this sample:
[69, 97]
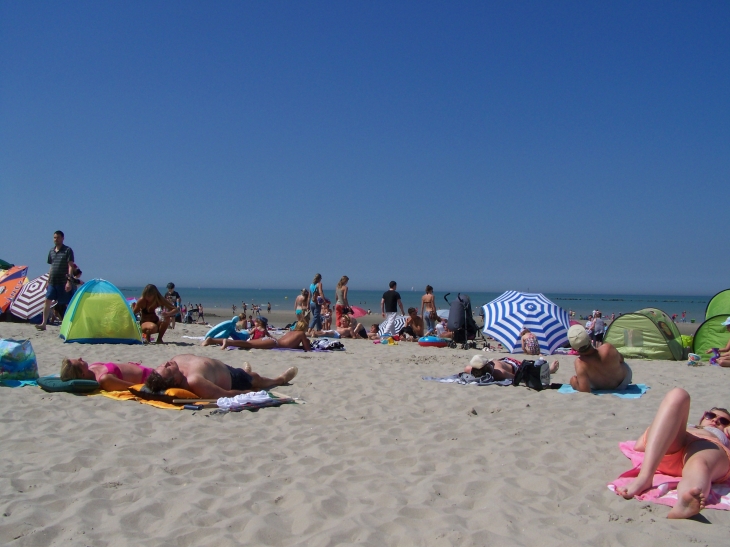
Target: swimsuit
[240, 379]
[115, 371]
[532, 346]
[672, 464]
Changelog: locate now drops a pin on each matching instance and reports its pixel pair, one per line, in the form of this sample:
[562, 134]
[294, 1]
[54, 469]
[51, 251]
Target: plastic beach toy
[694, 360]
[432, 341]
[716, 356]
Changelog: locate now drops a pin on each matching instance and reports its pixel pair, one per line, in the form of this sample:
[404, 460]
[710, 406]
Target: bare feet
[289, 375]
[40, 327]
[224, 345]
[688, 504]
[637, 486]
[207, 342]
[554, 367]
[247, 367]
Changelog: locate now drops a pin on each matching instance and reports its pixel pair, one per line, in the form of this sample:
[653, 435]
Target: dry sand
[376, 456]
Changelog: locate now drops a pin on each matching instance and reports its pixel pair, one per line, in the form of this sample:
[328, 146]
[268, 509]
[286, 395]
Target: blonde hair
[69, 371]
[301, 325]
[343, 281]
[317, 278]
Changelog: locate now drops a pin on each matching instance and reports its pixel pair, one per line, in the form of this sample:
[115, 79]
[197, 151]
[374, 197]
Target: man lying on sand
[602, 368]
[210, 378]
[699, 454]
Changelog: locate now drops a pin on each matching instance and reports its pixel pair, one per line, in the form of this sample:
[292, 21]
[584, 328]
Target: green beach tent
[711, 334]
[99, 314]
[646, 334]
[718, 304]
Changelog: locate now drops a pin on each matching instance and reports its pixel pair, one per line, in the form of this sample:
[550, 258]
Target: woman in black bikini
[150, 300]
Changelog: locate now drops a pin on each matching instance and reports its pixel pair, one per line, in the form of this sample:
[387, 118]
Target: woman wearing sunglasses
[699, 454]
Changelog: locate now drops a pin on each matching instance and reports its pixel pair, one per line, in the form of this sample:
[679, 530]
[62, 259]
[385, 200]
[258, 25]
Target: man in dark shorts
[389, 307]
[210, 378]
[61, 286]
[414, 326]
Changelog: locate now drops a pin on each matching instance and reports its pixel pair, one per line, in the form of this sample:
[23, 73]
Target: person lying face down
[699, 454]
[210, 378]
[110, 376]
[500, 369]
[602, 368]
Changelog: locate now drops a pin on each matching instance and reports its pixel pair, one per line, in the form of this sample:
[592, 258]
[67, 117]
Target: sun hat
[727, 322]
[578, 337]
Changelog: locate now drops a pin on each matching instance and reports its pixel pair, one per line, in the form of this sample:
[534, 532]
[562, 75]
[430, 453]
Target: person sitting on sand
[699, 454]
[295, 339]
[530, 345]
[260, 329]
[373, 332]
[150, 324]
[110, 376]
[414, 326]
[210, 378]
[723, 359]
[500, 369]
[442, 330]
[602, 368]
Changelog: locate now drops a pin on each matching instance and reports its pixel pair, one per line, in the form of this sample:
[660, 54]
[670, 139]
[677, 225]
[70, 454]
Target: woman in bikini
[295, 339]
[428, 311]
[110, 376]
[530, 345]
[300, 304]
[150, 323]
[700, 454]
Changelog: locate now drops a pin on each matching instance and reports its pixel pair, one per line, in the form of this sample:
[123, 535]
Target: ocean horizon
[220, 300]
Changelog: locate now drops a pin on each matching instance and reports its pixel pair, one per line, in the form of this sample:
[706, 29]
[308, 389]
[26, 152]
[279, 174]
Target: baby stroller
[461, 322]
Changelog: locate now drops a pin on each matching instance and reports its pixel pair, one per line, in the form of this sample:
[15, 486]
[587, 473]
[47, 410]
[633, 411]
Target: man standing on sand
[210, 378]
[389, 307]
[601, 368]
[60, 276]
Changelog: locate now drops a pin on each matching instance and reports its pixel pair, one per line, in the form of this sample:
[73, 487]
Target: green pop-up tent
[711, 334]
[646, 334]
[718, 304]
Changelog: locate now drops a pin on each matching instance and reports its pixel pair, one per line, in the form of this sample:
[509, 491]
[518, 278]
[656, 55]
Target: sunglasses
[719, 419]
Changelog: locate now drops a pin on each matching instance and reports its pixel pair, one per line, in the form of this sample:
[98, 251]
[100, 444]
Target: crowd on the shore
[700, 454]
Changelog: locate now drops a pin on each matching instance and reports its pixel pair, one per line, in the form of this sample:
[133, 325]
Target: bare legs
[149, 328]
[261, 343]
[260, 382]
[667, 434]
[46, 311]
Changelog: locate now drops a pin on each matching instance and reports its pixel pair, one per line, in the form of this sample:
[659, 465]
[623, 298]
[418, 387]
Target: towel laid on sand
[664, 487]
[634, 391]
[18, 383]
[464, 378]
[127, 396]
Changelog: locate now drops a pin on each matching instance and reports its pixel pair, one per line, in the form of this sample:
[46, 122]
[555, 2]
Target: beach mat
[664, 487]
[465, 379]
[634, 391]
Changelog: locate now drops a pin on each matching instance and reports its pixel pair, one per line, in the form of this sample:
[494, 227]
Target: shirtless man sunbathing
[210, 378]
[602, 368]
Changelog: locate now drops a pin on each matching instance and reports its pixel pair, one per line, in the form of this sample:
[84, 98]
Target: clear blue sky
[560, 146]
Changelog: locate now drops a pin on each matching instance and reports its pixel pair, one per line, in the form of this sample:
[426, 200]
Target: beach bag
[17, 360]
[534, 374]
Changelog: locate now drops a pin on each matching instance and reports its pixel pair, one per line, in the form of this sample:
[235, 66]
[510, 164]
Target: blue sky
[555, 146]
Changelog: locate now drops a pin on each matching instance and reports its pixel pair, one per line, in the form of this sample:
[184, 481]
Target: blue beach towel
[18, 383]
[634, 391]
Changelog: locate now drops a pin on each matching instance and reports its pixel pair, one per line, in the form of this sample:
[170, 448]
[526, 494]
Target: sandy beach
[374, 456]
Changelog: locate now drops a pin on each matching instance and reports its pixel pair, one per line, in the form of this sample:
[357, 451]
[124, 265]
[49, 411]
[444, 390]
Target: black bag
[535, 375]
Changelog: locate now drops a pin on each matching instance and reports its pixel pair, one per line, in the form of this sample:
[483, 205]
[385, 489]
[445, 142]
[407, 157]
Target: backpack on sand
[534, 374]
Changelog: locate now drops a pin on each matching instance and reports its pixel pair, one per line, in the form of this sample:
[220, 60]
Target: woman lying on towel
[295, 339]
[700, 454]
[110, 376]
[500, 369]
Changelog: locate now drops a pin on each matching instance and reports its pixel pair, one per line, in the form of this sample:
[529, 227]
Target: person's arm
[726, 349]
[137, 306]
[400, 304]
[205, 389]
[306, 345]
[321, 291]
[109, 382]
[382, 307]
[580, 381]
[423, 303]
[172, 310]
[524, 350]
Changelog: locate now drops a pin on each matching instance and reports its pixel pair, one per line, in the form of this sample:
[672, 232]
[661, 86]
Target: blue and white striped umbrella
[506, 316]
[399, 323]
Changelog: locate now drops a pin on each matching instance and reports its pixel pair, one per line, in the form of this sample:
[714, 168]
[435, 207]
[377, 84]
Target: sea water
[219, 301]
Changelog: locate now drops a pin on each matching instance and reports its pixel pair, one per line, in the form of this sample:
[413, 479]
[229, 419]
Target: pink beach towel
[664, 487]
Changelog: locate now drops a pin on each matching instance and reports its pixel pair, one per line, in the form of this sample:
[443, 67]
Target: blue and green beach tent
[99, 314]
[646, 334]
